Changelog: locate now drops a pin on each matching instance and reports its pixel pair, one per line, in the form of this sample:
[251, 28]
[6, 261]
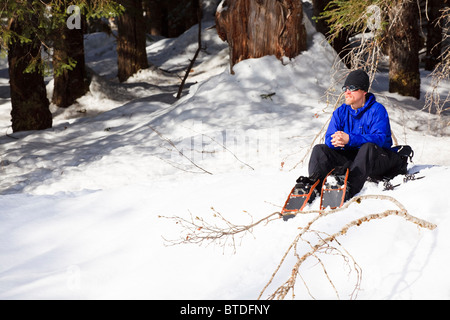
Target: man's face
[355, 98]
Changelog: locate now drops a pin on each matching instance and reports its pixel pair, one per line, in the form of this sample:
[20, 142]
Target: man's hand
[339, 139]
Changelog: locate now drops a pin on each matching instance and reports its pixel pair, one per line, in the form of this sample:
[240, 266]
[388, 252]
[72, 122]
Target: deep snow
[80, 203]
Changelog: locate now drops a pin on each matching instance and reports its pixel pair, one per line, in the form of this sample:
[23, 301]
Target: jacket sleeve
[334, 126]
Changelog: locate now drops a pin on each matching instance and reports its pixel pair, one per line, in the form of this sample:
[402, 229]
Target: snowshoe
[304, 192]
[387, 181]
[334, 190]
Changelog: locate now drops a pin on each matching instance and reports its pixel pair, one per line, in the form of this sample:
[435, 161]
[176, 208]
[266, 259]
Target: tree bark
[132, 55]
[170, 18]
[434, 34]
[256, 28]
[404, 76]
[30, 106]
[157, 17]
[69, 85]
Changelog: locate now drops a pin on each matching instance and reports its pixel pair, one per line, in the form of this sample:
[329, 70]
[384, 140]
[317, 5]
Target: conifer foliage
[396, 28]
[27, 29]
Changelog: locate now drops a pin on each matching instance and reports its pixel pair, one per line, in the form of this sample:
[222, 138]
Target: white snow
[80, 203]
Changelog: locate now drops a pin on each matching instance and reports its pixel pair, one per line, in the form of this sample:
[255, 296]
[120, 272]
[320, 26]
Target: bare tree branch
[191, 64]
[197, 230]
[178, 150]
[283, 290]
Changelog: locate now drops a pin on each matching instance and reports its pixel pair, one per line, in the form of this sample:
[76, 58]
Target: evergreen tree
[340, 42]
[403, 35]
[30, 106]
[394, 24]
[434, 32]
[70, 78]
[170, 18]
[131, 48]
[26, 26]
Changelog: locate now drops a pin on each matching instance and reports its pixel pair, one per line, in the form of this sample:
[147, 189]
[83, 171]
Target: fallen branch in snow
[323, 245]
[324, 248]
[197, 230]
[223, 147]
[178, 150]
[402, 212]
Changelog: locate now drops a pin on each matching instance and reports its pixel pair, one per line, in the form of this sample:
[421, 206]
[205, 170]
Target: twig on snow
[178, 150]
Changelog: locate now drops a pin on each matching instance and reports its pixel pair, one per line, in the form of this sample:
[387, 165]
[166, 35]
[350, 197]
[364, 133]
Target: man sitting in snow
[358, 138]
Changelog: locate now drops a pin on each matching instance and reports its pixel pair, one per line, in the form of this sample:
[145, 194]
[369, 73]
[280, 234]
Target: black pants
[368, 161]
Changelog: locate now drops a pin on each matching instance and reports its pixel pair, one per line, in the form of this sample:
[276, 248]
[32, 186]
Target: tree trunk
[157, 17]
[132, 55]
[30, 106]
[69, 85]
[256, 28]
[404, 76]
[170, 18]
[434, 34]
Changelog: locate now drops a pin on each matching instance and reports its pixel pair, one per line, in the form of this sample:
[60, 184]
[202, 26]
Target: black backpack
[406, 153]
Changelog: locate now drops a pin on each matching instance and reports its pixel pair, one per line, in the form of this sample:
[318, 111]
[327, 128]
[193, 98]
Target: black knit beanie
[358, 78]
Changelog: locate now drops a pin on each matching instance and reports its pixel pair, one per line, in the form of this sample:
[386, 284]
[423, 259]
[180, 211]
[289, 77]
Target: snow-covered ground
[81, 203]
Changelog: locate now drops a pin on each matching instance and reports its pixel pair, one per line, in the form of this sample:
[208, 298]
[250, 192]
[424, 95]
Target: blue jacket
[367, 124]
